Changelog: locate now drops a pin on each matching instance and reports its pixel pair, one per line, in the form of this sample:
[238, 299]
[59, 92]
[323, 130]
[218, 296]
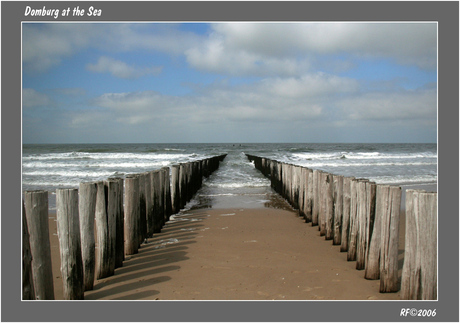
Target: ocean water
[53, 166]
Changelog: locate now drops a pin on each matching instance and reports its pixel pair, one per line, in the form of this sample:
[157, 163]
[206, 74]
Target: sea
[236, 183]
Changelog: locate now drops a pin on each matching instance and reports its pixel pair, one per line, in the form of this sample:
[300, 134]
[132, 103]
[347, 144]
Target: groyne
[117, 215]
[363, 218]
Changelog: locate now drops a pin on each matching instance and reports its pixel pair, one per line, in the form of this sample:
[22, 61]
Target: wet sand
[235, 254]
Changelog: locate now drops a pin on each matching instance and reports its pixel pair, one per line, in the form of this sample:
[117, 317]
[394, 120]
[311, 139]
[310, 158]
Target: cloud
[31, 98]
[46, 45]
[274, 100]
[258, 49]
[291, 48]
[120, 69]
[420, 104]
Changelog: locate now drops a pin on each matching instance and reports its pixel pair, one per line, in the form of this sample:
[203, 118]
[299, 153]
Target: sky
[229, 82]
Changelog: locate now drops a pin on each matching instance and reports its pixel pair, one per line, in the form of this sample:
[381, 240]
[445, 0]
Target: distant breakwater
[363, 218]
[117, 214]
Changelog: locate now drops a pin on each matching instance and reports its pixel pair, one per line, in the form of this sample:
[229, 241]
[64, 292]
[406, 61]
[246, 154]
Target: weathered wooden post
[309, 196]
[182, 184]
[162, 196]
[152, 214]
[158, 212]
[36, 206]
[112, 191]
[346, 213]
[389, 243]
[102, 232]
[68, 229]
[132, 210]
[323, 204]
[167, 193]
[120, 236]
[175, 195]
[142, 221]
[316, 197]
[361, 238]
[419, 276]
[338, 209]
[372, 270]
[28, 291]
[148, 203]
[303, 192]
[87, 213]
[329, 215]
[426, 258]
[352, 234]
[295, 187]
[370, 220]
[408, 283]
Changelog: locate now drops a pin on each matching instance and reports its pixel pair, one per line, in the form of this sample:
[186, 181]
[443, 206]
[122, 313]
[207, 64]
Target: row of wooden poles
[363, 218]
[125, 212]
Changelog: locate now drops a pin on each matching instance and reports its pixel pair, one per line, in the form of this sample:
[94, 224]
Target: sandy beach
[234, 254]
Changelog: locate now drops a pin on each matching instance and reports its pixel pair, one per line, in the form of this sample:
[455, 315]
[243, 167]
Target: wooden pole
[28, 291]
[329, 215]
[142, 220]
[167, 205]
[87, 213]
[338, 209]
[419, 276]
[112, 191]
[361, 244]
[148, 203]
[352, 235]
[102, 232]
[346, 213]
[389, 239]
[36, 205]
[175, 188]
[370, 219]
[68, 230]
[316, 195]
[323, 204]
[132, 210]
[309, 196]
[153, 205]
[372, 270]
[157, 214]
[408, 283]
[120, 237]
[302, 188]
[426, 258]
[182, 185]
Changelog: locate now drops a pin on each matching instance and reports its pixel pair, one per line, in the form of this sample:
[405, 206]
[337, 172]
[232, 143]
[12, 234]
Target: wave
[404, 179]
[99, 156]
[359, 155]
[350, 164]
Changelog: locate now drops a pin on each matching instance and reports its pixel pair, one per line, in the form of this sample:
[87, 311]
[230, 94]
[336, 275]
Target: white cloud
[407, 105]
[259, 49]
[290, 48]
[121, 69]
[32, 98]
[46, 45]
[270, 100]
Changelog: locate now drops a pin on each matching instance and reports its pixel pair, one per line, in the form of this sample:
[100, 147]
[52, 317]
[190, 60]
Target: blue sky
[229, 82]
